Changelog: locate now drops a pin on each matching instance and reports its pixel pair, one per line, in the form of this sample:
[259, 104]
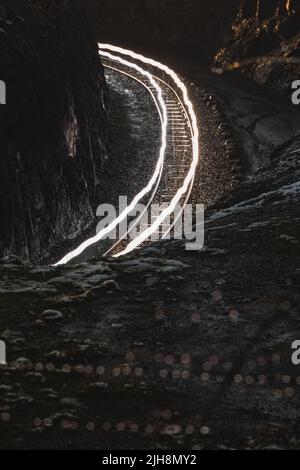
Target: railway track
[178, 152]
[171, 184]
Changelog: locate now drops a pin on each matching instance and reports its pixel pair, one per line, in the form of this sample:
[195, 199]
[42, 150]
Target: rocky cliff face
[53, 127]
[166, 348]
[259, 36]
[191, 26]
[264, 42]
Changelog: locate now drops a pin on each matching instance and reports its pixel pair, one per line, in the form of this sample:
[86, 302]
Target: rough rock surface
[52, 129]
[189, 26]
[261, 124]
[259, 36]
[166, 348]
[264, 42]
[190, 350]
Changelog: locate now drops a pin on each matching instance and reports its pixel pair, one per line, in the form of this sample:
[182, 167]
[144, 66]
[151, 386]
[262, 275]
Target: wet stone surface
[184, 350]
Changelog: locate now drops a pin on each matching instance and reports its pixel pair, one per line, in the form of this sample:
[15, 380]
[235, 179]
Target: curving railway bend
[172, 182]
[163, 348]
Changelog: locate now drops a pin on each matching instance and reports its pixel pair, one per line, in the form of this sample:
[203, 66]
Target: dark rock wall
[264, 42]
[228, 30]
[53, 127]
[192, 26]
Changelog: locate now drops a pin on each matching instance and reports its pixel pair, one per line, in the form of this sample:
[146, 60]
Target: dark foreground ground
[169, 348]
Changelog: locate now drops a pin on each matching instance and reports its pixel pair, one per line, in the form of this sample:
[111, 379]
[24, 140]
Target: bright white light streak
[91, 241]
[154, 191]
[158, 181]
[195, 142]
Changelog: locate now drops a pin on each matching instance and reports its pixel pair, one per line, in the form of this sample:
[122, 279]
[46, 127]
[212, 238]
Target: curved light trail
[186, 188]
[136, 222]
[91, 241]
[115, 245]
[191, 174]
